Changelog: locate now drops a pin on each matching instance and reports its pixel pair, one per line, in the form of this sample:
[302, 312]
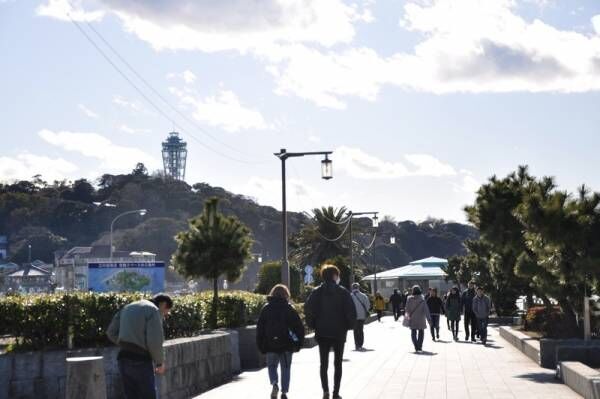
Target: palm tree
[215, 245]
[316, 242]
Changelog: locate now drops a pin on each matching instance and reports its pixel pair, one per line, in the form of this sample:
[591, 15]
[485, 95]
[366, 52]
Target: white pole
[587, 327]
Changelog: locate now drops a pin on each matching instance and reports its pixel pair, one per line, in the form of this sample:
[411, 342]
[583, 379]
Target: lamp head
[143, 212]
[326, 168]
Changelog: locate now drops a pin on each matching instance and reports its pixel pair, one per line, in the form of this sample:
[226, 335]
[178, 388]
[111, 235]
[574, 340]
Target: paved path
[392, 370]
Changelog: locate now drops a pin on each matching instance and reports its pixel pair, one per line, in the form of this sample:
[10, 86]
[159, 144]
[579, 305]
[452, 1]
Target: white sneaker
[274, 391]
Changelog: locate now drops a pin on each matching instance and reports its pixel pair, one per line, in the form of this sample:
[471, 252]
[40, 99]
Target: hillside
[59, 215]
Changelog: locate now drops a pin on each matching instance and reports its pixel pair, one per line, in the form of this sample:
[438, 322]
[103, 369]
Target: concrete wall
[529, 346]
[581, 378]
[549, 357]
[193, 366]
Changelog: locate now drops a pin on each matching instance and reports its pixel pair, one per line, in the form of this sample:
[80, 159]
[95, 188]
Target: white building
[426, 273]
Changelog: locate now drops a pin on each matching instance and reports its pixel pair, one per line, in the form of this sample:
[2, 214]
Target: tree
[325, 238]
[214, 245]
[269, 275]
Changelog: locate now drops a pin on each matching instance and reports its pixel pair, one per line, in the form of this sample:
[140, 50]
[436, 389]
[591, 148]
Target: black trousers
[417, 337]
[138, 378]
[396, 310]
[454, 327]
[359, 333]
[325, 345]
[470, 321]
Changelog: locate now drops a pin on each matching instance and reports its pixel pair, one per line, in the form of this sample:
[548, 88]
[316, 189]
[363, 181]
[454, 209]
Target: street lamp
[375, 223]
[392, 240]
[140, 212]
[326, 174]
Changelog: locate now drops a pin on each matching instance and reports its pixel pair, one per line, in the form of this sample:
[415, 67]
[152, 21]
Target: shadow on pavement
[425, 353]
[546, 378]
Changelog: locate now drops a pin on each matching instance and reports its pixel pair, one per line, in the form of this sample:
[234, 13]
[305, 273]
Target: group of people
[331, 311]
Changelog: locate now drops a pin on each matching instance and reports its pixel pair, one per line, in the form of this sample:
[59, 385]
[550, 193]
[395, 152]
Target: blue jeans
[482, 325]
[285, 360]
[417, 338]
[138, 378]
[435, 325]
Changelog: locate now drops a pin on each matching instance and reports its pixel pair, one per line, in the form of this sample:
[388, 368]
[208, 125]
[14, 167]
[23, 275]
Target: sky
[421, 101]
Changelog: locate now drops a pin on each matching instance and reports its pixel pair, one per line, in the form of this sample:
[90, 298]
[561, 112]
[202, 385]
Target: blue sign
[126, 276]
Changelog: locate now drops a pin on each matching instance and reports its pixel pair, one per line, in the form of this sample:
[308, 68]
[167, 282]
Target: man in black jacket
[329, 310]
[396, 301]
[467, 305]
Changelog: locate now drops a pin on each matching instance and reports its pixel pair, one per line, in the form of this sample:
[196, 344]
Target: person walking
[138, 331]
[279, 333]
[482, 307]
[396, 301]
[330, 311]
[436, 309]
[362, 304]
[379, 306]
[418, 316]
[453, 306]
[467, 306]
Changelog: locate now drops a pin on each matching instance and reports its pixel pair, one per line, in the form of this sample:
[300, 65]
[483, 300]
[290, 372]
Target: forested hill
[60, 215]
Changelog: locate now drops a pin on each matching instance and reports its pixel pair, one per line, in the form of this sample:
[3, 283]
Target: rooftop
[423, 268]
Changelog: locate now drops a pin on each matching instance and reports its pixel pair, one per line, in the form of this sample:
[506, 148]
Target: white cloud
[88, 112]
[357, 163]
[130, 130]
[26, 165]
[314, 139]
[63, 9]
[127, 104]
[187, 76]
[300, 196]
[596, 23]
[224, 110]
[94, 145]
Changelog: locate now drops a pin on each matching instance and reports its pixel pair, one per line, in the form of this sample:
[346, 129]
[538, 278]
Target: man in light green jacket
[482, 307]
[137, 329]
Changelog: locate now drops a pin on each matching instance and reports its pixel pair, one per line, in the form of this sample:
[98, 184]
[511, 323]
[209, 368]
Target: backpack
[277, 333]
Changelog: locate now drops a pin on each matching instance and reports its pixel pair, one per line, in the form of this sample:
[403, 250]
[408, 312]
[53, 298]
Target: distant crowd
[330, 310]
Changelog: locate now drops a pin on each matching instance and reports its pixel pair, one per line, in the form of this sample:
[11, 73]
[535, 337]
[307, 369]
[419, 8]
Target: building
[174, 155]
[71, 267]
[3, 247]
[427, 273]
[30, 279]
[8, 268]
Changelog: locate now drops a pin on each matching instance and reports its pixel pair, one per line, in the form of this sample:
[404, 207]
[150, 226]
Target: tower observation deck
[174, 154]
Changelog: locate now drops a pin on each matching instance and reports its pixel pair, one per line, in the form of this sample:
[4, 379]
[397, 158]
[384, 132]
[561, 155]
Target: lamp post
[351, 215]
[140, 212]
[326, 174]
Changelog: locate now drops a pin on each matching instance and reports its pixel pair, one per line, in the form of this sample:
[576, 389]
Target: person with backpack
[362, 306]
[417, 315]
[453, 305]
[330, 311]
[279, 333]
[482, 306]
[379, 306]
[396, 301]
[436, 309]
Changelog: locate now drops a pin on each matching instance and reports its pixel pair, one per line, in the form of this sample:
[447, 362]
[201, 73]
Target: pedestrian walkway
[391, 369]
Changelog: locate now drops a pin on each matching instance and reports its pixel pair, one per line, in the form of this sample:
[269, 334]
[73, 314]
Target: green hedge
[42, 321]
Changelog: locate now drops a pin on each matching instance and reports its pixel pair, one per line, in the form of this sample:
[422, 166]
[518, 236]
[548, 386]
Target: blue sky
[421, 100]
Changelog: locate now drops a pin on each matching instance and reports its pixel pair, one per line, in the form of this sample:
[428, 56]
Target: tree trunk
[570, 317]
[215, 304]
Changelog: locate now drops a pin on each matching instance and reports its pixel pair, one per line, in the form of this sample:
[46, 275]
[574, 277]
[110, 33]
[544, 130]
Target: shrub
[270, 275]
[42, 321]
[549, 322]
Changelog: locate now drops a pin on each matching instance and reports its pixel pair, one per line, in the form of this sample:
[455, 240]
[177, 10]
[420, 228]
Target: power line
[334, 239]
[158, 94]
[141, 93]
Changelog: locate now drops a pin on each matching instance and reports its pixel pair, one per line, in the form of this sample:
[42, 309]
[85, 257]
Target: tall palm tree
[316, 242]
[215, 245]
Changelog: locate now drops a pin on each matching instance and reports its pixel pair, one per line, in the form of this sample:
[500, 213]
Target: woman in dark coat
[279, 333]
[418, 316]
[453, 306]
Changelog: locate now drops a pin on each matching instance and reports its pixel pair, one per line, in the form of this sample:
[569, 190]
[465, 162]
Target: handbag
[406, 320]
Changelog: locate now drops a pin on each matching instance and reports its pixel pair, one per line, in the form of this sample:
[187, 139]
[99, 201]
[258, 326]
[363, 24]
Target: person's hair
[454, 288]
[480, 288]
[434, 290]
[328, 272]
[395, 291]
[416, 290]
[280, 291]
[355, 286]
[162, 298]
[472, 282]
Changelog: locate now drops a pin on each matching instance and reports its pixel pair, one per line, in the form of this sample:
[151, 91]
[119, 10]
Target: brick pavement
[391, 369]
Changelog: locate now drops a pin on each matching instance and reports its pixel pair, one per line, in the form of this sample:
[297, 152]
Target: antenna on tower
[174, 154]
